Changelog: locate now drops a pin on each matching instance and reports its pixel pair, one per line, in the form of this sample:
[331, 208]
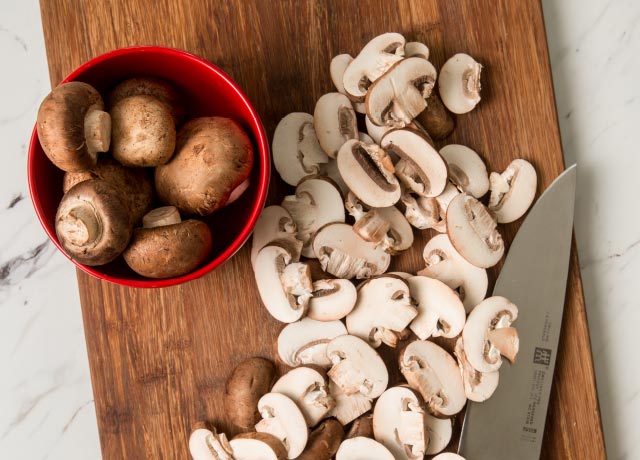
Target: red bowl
[207, 91]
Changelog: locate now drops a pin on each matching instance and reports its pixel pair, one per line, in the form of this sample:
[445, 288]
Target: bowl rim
[257, 205]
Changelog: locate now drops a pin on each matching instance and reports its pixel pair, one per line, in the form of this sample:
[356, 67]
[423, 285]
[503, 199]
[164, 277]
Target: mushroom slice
[348, 406]
[416, 49]
[439, 431]
[308, 388]
[478, 386]
[399, 423]
[512, 192]
[334, 122]
[283, 419]
[459, 83]
[332, 299]
[448, 456]
[424, 171]
[376, 132]
[305, 342]
[368, 172]
[400, 94]
[420, 211]
[337, 67]
[207, 444]
[257, 446]
[357, 368]
[331, 170]
[375, 58]
[488, 334]
[443, 200]
[440, 311]
[361, 448]
[296, 151]
[345, 255]
[275, 226]
[383, 311]
[432, 371]
[466, 169]
[444, 263]
[472, 231]
[362, 426]
[324, 441]
[284, 286]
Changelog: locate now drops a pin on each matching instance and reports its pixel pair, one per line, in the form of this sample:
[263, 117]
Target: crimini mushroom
[336, 69]
[93, 223]
[459, 83]
[478, 386]
[332, 299]
[439, 432]
[368, 172]
[421, 212]
[512, 192]
[383, 311]
[296, 151]
[362, 426]
[416, 49]
[324, 441]
[399, 423]
[466, 169]
[444, 263]
[361, 448]
[400, 94]
[436, 119]
[160, 89]
[473, 231]
[348, 406]
[207, 444]
[305, 342]
[435, 375]
[317, 202]
[73, 126]
[212, 163]
[488, 334]
[440, 311]
[257, 446]
[443, 200]
[283, 419]
[275, 226]
[334, 121]
[374, 60]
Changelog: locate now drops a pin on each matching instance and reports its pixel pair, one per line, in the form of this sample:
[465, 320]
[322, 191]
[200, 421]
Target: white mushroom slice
[400, 236]
[331, 170]
[345, 255]
[416, 49]
[466, 169]
[448, 456]
[337, 67]
[368, 172]
[488, 334]
[257, 446]
[420, 211]
[440, 311]
[435, 375]
[473, 231]
[317, 202]
[512, 192]
[305, 342]
[444, 263]
[459, 83]
[439, 431]
[425, 171]
[334, 122]
[383, 311]
[443, 200]
[348, 406]
[403, 275]
[308, 388]
[478, 386]
[296, 151]
[376, 132]
[357, 368]
[209, 445]
[360, 448]
[282, 418]
[275, 225]
[374, 60]
[332, 299]
[399, 423]
[400, 94]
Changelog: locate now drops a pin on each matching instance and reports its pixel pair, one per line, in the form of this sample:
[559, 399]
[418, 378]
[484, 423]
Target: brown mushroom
[324, 441]
[150, 86]
[249, 381]
[436, 119]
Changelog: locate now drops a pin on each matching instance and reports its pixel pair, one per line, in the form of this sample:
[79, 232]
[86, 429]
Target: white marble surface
[46, 405]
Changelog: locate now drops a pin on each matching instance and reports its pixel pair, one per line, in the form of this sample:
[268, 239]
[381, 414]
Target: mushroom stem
[159, 217]
[296, 281]
[81, 225]
[372, 226]
[506, 340]
[97, 131]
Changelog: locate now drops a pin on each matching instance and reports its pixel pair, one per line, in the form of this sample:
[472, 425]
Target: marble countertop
[46, 403]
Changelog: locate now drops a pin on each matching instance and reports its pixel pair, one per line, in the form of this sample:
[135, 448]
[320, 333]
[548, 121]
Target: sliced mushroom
[348, 406]
[416, 49]
[337, 67]
[466, 169]
[257, 446]
[459, 83]
[296, 151]
[331, 170]
[435, 375]
[305, 342]
[317, 202]
[362, 426]
[478, 386]
[284, 420]
[436, 119]
[443, 200]
[400, 94]
[361, 448]
[332, 299]
[488, 334]
[512, 192]
[207, 444]
[448, 456]
[439, 431]
[399, 423]
[420, 211]
[376, 132]
[275, 226]
[473, 231]
[444, 263]
[403, 275]
[335, 122]
[345, 255]
[440, 311]
[383, 311]
[324, 441]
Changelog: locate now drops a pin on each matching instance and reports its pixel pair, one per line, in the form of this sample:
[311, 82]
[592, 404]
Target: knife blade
[510, 424]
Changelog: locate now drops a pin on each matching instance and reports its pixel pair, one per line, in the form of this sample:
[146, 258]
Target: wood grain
[159, 358]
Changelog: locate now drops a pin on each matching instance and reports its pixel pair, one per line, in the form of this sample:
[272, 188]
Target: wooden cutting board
[159, 358]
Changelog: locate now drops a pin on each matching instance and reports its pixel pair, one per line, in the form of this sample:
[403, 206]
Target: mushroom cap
[334, 121]
[459, 83]
[478, 386]
[361, 448]
[513, 191]
[362, 426]
[416, 49]
[436, 119]
[337, 67]
[214, 156]
[305, 341]
[439, 431]
[324, 441]
[257, 446]
[169, 250]
[348, 406]
[332, 299]
[162, 90]
[61, 125]
[209, 445]
[466, 169]
[93, 222]
[282, 418]
[275, 226]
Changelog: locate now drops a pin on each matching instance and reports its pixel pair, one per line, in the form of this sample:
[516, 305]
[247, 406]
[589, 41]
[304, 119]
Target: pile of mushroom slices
[198, 168]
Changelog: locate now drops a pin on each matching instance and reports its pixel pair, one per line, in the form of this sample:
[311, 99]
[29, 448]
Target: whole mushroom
[160, 89]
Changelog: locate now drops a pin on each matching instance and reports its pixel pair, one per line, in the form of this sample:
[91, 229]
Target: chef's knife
[510, 424]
